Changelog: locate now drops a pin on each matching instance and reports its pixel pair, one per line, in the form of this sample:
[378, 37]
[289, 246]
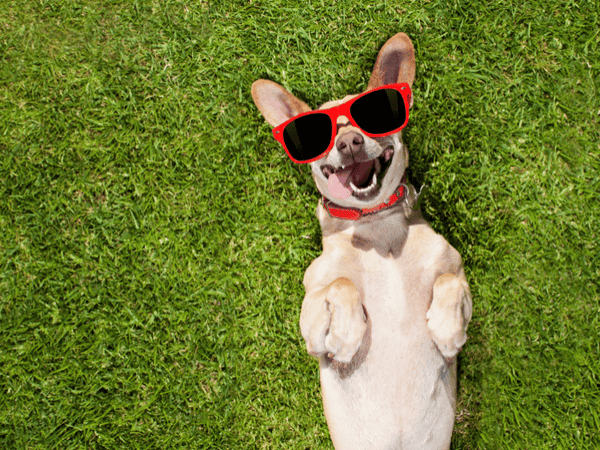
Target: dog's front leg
[333, 320]
[450, 312]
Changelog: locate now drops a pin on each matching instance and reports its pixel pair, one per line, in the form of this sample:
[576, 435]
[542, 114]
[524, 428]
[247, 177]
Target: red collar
[348, 213]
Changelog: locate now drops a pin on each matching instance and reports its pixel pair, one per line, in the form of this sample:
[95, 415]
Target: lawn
[154, 236]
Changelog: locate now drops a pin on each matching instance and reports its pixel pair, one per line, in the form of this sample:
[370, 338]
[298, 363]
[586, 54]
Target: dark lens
[380, 111]
[308, 136]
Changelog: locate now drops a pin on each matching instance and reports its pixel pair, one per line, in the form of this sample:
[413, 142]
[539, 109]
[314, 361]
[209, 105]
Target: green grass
[153, 236]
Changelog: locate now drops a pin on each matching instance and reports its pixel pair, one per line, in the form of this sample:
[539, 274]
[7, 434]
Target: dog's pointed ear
[275, 103]
[395, 62]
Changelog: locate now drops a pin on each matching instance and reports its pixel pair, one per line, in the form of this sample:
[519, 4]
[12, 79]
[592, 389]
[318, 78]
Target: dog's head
[359, 171]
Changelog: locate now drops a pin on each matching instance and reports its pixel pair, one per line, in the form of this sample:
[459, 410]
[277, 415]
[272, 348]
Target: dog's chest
[392, 290]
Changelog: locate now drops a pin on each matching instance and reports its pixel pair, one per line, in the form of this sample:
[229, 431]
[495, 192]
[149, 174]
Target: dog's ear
[275, 103]
[395, 62]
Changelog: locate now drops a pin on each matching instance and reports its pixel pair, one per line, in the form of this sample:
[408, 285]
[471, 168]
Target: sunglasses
[378, 112]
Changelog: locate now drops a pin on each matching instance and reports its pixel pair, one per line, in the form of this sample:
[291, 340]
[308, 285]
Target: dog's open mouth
[361, 180]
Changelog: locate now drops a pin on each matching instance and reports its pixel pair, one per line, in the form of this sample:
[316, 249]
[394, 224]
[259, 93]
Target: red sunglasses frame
[344, 110]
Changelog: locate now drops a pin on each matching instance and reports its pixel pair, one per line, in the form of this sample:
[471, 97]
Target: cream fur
[387, 304]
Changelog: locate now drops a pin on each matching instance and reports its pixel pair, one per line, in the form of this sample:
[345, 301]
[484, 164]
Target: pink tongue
[338, 183]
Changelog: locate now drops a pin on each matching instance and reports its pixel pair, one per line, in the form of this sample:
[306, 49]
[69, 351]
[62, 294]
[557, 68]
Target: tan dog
[387, 304]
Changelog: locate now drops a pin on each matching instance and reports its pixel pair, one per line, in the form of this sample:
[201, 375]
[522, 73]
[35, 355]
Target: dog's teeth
[366, 190]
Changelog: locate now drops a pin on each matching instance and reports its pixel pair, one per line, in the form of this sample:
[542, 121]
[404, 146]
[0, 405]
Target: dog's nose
[350, 143]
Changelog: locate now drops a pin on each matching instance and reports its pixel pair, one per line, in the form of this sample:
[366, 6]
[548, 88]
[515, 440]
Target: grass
[153, 237]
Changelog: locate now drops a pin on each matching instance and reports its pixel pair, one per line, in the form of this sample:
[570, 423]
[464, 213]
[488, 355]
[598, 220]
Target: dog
[387, 303]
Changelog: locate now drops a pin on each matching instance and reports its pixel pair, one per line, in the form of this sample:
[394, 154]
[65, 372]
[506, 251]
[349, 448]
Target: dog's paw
[340, 326]
[448, 315]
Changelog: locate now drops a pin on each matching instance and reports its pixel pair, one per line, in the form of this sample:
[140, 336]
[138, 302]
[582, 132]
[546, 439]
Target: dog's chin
[367, 184]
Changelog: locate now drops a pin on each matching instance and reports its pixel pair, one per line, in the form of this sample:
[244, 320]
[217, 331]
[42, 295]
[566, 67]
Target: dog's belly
[401, 394]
